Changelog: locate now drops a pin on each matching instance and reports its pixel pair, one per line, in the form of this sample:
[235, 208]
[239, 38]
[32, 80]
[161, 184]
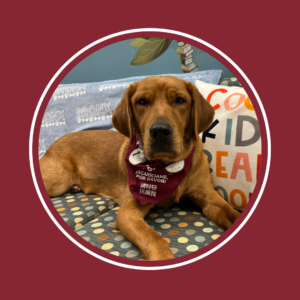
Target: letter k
[206, 133]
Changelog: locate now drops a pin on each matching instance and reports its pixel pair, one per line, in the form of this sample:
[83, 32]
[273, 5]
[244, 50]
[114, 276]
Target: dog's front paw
[159, 251]
[223, 217]
[233, 215]
[160, 256]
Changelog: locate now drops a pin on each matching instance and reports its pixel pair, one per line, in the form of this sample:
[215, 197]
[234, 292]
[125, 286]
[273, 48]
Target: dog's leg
[57, 178]
[215, 208]
[130, 221]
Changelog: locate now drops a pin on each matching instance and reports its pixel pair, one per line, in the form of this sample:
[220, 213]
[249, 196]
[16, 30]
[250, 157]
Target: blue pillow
[88, 106]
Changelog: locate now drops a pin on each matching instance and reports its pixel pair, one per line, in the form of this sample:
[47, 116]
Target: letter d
[239, 131]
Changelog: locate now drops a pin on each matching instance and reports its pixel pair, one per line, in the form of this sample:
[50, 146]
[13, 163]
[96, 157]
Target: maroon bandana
[151, 181]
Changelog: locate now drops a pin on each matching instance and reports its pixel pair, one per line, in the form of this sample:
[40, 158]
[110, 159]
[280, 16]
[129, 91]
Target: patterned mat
[93, 218]
[78, 209]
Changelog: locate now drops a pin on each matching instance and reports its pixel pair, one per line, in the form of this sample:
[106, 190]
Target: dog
[165, 115]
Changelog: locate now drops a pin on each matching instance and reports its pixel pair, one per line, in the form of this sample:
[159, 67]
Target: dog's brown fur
[94, 161]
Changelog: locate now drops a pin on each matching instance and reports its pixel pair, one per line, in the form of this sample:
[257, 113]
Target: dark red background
[39, 261]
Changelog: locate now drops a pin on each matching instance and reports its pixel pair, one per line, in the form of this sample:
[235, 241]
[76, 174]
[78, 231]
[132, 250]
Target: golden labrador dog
[167, 114]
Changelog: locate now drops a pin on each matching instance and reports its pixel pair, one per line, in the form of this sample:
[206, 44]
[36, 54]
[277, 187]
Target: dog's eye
[142, 102]
[179, 100]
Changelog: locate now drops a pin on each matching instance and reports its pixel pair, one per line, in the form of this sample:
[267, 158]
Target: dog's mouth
[161, 149]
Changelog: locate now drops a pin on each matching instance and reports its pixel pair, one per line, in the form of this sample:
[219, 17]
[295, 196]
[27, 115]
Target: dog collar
[151, 181]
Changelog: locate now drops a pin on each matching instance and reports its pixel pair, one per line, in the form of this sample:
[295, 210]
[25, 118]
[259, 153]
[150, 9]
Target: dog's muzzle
[161, 133]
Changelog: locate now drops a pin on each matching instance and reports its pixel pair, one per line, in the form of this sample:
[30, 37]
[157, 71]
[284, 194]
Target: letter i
[228, 132]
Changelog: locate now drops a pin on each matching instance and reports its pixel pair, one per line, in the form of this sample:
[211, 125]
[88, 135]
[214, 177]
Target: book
[184, 49]
[187, 54]
[187, 61]
[188, 67]
[184, 58]
[194, 70]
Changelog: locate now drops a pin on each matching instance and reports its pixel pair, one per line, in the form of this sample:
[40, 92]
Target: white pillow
[232, 142]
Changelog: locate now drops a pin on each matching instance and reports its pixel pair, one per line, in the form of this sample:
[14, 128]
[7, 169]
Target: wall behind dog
[134, 57]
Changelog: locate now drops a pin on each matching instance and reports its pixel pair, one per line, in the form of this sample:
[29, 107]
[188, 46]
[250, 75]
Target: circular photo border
[98, 253]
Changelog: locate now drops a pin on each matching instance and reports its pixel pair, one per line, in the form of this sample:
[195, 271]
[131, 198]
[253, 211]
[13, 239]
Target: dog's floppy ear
[202, 113]
[122, 118]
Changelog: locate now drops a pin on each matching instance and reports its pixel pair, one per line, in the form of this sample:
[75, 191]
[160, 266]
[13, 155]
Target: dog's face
[166, 112]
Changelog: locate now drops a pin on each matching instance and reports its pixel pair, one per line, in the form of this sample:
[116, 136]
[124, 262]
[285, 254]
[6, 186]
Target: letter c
[217, 106]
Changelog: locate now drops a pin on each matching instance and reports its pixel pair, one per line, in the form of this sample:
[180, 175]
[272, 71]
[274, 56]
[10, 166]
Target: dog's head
[167, 113]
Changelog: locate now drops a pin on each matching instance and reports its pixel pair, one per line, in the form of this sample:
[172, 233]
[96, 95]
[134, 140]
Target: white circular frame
[128, 265]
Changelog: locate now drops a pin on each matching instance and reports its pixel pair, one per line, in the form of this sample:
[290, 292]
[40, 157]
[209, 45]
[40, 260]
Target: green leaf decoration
[151, 50]
[139, 42]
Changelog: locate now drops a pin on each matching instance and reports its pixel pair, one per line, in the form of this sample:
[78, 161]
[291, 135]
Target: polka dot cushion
[183, 226]
[101, 233]
[78, 209]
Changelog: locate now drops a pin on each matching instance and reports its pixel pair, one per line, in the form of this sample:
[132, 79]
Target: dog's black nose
[161, 130]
